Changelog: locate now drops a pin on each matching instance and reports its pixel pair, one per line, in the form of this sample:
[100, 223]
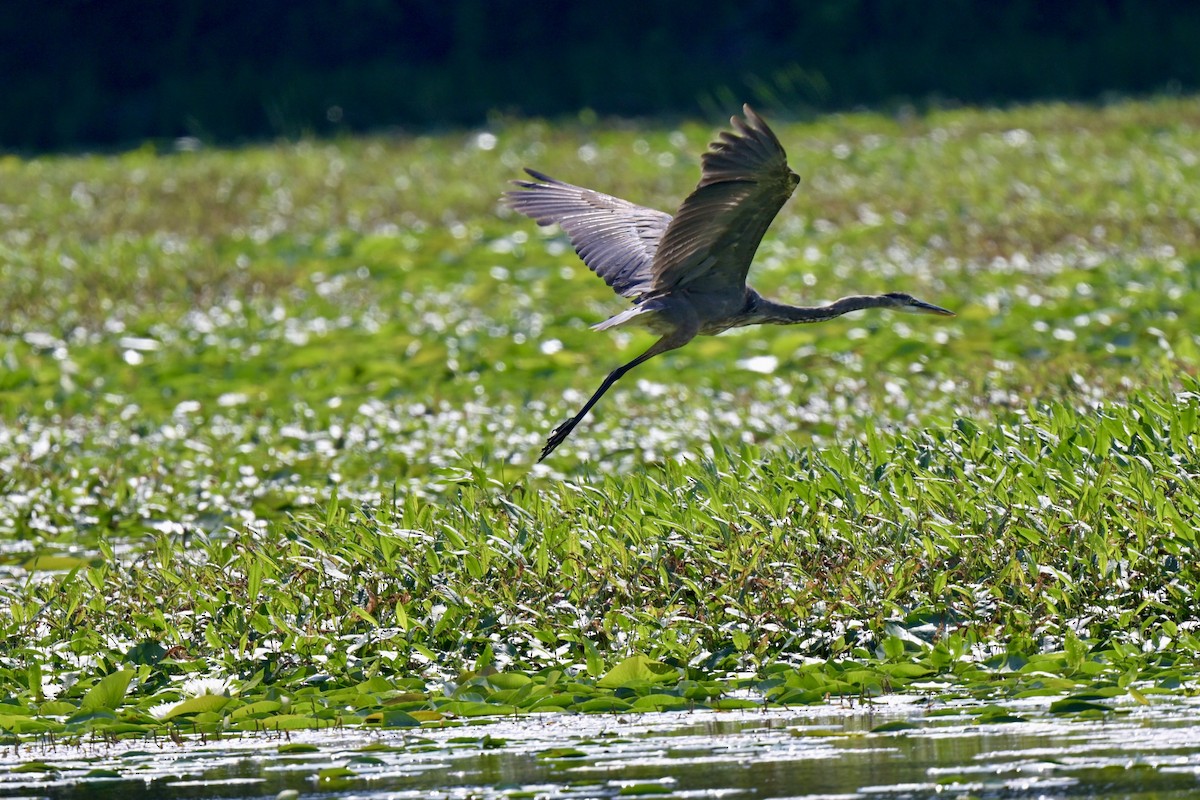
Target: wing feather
[615, 238]
[744, 181]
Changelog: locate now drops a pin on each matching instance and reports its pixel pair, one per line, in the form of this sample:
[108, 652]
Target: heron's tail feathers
[626, 317]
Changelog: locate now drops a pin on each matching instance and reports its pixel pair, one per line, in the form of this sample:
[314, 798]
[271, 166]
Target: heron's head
[906, 302]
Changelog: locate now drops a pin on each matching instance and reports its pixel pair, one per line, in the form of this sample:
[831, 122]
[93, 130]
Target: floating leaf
[35, 766]
[285, 722]
[91, 719]
[906, 670]
[732, 703]
[661, 702]
[258, 709]
[893, 727]
[370, 761]
[989, 719]
[393, 718]
[426, 715]
[473, 708]
[599, 704]
[1072, 705]
[562, 752]
[644, 788]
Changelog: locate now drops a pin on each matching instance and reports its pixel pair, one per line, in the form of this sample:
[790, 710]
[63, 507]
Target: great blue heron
[686, 274]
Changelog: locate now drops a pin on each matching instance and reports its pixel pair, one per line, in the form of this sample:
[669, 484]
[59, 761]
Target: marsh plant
[269, 417]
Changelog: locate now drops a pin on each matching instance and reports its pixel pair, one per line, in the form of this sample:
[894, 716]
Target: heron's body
[686, 274]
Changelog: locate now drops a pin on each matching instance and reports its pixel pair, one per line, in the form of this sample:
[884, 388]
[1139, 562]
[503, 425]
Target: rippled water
[1142, 752]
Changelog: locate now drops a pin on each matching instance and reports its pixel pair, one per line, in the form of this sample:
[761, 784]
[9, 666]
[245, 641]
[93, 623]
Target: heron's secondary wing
[615, 238]
[744, 181]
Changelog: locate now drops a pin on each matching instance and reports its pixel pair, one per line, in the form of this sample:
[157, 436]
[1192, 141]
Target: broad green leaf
[508, 680]
[87, 720]
[35, 766]
[57, 708]
[598, 704]
[426, 715]
[561, 753]
[893, 647]
[894, 727]
[636, 669]
[906, 670]
[393, 718]
[471, 708]
[260, 708]
[731, 703]
[376, 685]
[11, 709]
[642, 789]
[21, 724]
[284, 722]
[147, 652]
[108, 692]
[197, 705]
[595, 664]
[1071, 705]
[661, 702]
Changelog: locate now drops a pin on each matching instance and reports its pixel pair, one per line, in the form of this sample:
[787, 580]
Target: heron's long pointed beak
[921, 307]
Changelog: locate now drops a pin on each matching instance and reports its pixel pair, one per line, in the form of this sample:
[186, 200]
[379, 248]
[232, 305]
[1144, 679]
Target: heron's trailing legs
[669, 342]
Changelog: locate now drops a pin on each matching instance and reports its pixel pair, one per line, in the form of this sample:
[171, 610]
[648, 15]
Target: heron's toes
[557, 437]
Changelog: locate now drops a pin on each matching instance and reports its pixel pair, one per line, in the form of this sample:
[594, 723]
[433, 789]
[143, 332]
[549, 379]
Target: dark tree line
[113, 72]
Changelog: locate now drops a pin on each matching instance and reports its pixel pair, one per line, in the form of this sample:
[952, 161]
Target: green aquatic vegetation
[268, 419]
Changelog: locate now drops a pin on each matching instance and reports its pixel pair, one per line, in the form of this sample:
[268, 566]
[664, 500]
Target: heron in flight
[686, 275]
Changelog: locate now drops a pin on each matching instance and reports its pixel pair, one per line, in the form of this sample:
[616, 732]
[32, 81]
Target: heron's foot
[558, 436]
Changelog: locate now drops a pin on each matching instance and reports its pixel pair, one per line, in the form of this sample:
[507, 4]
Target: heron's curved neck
[770, 312]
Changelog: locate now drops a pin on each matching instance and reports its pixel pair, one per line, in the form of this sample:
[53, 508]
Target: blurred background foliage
[110, 73]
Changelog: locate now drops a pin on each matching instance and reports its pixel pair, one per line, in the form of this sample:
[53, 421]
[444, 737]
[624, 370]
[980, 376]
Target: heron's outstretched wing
[615, 238]
[744, 181]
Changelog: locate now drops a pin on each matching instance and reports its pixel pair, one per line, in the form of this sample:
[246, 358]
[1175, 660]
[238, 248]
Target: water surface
[831, 752]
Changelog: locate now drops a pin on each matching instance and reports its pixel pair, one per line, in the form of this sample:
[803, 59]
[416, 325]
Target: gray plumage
[615, 238]
[686, 274]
